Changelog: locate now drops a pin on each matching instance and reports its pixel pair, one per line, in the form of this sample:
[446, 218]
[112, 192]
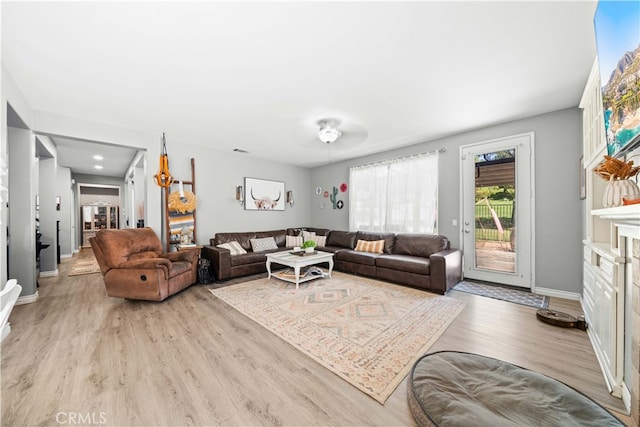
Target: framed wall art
[263, 195]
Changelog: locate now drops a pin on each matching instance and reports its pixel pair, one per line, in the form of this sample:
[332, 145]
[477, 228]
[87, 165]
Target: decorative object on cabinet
[163, 177]
[617, 172]
[180, 211]
[265, 195]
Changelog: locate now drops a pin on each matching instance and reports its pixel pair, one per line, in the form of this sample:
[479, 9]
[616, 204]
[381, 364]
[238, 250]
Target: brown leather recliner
[134, 266]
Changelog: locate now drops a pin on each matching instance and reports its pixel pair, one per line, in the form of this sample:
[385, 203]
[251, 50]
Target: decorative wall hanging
[325, 194]
[263, 195]
[181, 201]
[340, 204]
[343, 187]
[318, 190]
[163, 178]
[334, 197]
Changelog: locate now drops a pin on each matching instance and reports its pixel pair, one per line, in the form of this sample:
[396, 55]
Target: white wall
[47, 214]
[218, 174]
[558, 147]
[64, 215]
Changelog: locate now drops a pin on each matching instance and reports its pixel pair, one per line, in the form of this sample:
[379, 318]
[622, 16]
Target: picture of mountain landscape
[617, 27]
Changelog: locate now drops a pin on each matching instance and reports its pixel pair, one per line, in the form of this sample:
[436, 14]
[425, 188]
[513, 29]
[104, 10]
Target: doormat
[503, 293]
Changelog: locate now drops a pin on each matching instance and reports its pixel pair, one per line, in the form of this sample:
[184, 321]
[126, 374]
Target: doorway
[497, 210]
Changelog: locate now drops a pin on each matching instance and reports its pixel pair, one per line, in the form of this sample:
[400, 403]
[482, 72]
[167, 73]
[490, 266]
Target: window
[399, 195]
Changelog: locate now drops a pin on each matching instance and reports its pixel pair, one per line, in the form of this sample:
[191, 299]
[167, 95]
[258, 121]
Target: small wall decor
[334, 197]
[340, 204]
[343, 187]
[57, 203]
[321, 205]
[318, 190]
[263, 195]
[325, 194]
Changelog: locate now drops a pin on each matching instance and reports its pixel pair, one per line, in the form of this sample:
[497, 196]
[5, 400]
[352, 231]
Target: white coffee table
[297, 262]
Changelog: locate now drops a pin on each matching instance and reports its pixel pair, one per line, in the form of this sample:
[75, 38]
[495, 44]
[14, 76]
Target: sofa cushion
[422, 245]
[389, 239]
[343, 239]
[373, 246]
[242, 238]
[410, 264]
[234, 248]
[263, 244]
[366, 258]
[248, 258]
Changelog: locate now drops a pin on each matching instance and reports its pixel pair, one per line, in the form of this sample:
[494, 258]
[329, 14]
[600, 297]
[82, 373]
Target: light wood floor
[193, 360]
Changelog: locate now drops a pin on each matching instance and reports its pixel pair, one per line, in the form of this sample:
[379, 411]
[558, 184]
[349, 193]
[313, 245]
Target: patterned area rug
[367, 332]
[85, 266]
[504, 294]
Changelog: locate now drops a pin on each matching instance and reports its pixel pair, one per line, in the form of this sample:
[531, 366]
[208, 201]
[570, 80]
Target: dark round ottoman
[463, 389]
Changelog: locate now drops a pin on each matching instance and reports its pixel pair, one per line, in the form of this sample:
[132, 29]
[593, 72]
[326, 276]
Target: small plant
[309, 244]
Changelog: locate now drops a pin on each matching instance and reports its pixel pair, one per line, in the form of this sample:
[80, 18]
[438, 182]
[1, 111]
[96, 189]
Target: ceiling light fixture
[327, 132]
[97, 166]
[98, 157]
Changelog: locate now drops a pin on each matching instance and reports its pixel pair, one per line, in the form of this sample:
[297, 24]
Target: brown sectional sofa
[418, 260]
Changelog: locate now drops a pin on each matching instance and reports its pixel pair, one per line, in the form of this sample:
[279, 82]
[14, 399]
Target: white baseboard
[558, 294]
[76, 250]
[65, 256]
[27, 299]
[51, 273]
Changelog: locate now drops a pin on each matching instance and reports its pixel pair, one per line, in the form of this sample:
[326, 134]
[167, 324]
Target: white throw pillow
[263, 244]
[308, 235]
[321, 240]
[234, 247]
[293, 241]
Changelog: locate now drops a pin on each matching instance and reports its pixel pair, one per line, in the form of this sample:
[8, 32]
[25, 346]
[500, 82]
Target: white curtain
[399, 196]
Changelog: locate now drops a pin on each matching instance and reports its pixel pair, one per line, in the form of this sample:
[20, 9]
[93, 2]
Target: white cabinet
[604, 262]
[97, 217]
[603, 304]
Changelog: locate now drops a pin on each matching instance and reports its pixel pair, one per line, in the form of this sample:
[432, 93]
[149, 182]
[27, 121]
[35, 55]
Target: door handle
[466, 230]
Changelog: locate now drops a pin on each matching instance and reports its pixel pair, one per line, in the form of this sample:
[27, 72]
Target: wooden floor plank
[193, 360]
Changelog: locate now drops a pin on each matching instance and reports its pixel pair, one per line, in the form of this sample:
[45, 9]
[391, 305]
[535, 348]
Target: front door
[497, 207]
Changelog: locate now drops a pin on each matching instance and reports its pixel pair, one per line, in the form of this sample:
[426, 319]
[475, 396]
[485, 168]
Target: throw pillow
[293, 241]
[308, 235]
[234, 247]
[321, 240]
[266, 243]
[374, 246]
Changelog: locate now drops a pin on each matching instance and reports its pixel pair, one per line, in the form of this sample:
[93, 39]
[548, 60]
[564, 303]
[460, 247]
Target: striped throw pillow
[374, 246]
[293, 241]
[321, 240]
[234, 247]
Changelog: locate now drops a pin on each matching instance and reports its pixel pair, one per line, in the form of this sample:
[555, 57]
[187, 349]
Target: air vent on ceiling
[240, 150]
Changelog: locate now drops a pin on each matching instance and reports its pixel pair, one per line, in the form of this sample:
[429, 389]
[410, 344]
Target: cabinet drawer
[606, 267]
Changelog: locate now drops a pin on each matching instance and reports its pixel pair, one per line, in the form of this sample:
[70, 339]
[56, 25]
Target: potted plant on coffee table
[309, 246]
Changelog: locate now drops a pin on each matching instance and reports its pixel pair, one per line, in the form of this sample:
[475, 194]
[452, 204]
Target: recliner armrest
[189, 255]
[446, 269]
[147, 263]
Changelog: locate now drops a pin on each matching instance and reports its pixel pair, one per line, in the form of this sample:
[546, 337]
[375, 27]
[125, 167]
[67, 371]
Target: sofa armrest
[189, 255]
[446, 269]
[220, 261]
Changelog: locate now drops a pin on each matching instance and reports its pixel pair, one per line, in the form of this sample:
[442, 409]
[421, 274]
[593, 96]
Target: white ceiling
[258, 76]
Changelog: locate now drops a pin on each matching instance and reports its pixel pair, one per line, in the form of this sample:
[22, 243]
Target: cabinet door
[113, 217]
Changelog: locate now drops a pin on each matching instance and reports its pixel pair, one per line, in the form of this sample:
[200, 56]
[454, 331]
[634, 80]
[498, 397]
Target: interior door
[497, 210]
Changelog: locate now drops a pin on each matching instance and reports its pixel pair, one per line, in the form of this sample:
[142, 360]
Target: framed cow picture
[263, 195]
